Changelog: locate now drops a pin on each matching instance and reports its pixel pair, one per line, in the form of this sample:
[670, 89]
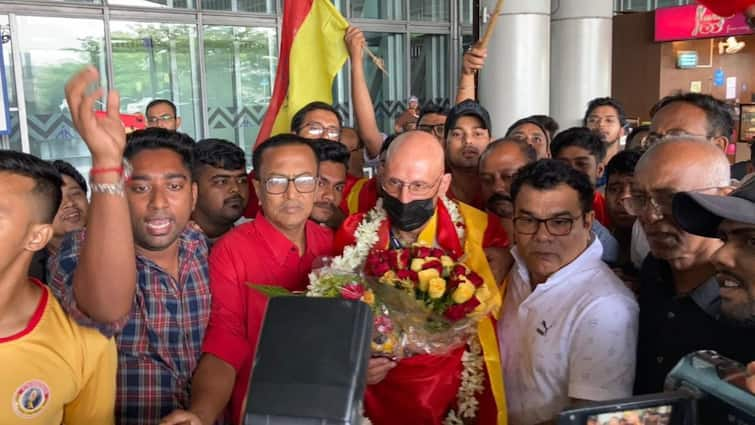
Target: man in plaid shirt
[146, 282]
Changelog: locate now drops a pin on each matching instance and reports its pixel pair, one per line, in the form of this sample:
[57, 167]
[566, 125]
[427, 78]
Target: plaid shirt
[160, 341]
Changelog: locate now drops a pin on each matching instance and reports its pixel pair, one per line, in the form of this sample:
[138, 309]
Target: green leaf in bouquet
[271, 291]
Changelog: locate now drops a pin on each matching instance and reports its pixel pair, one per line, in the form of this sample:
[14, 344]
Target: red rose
[407, 275]
[459, 270]
[421, 252]
[352, 291]
[470, 305]
[455, 312]
[452, 283]
[437, 253]
[475, 279]
[399, 259]
[379, 269]
[434, 264]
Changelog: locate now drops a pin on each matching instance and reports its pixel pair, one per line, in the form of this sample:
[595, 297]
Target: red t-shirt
[255, 253]
[599, 206]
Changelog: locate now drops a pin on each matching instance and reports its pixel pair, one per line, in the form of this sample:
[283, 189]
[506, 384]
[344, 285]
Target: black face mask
[408, 217]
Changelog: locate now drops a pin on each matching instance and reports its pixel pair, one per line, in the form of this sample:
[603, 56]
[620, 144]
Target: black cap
[702, 214]
[466, 108]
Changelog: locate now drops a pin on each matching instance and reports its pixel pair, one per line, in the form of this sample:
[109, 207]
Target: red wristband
[95, 171]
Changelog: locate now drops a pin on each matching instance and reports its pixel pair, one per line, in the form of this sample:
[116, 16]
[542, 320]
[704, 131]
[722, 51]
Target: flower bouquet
[423, 301]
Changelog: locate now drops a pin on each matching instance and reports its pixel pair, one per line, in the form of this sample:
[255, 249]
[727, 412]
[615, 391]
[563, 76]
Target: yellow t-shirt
[56, 371]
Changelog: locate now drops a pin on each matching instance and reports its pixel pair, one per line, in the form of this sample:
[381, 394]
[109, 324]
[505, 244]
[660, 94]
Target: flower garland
[472, 383]
[353, 257]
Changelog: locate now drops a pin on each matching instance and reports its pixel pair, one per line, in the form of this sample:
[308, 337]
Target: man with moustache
[138, 272]
[334, 160]
[276, 248]
[679, 296]
[72, 215]
[220, 172]
[467, 135]
[499, 163]
[568, 325]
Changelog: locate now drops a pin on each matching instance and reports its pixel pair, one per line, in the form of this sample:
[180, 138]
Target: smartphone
[133, 121]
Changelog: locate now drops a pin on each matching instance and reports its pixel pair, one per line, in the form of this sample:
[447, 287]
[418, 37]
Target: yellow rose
[463, 293]
[446, 261]
[424, 277]
[388, 278]
[369, 297]
[417, 264]
[436, 287]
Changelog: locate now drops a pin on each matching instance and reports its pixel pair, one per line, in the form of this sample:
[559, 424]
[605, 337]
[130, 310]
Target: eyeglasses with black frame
[277, 185]
[437, 129]
[316, 129]
[556, 226]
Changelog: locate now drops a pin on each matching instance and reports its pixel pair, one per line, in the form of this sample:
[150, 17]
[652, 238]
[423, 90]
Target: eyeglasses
[637, 203]
[437, 129]
[316, 129]
[418, 188]
[277, 185]
[653, 137]
[163, 117]
[556, 226]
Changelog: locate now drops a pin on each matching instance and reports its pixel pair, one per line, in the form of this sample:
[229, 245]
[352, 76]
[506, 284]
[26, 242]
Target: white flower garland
[472, 383]
[353, 257]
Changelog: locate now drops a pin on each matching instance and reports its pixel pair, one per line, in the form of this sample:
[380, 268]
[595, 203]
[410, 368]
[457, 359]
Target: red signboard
[696, 21]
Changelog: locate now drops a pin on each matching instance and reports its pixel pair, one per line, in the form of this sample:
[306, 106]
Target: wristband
[95, 171]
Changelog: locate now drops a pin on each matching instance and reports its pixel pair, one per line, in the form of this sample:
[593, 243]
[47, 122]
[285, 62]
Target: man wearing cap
[467, 135]
[409, 116]
[731, 218]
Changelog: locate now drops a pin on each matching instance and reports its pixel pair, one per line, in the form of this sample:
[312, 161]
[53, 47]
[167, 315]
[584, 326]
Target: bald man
[416, 210]
[679, 295]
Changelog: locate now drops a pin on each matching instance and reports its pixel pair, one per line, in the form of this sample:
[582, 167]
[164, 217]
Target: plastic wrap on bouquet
[423, 301]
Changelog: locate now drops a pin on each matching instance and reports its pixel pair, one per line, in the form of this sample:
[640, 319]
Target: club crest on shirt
[30, 398]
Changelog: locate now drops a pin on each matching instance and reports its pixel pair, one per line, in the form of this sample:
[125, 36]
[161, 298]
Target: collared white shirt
[574, 336]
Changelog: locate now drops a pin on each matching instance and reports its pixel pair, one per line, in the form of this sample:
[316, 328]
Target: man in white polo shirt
[568, 329]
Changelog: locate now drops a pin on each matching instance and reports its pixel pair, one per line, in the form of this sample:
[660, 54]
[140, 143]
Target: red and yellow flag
[312, 51]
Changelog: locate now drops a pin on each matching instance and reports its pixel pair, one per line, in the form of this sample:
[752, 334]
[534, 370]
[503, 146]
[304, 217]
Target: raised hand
[355, 42]
[474, 59]
[105, 136]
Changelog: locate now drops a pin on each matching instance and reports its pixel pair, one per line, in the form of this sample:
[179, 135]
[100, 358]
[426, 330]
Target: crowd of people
[124, 297]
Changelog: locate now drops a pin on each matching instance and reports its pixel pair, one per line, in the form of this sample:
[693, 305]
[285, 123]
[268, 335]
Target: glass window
[153, 61]
[378, 9]
[466, 42]
[164, 4]
[429, 65]
[240, 63]
[666, 3]
[466, 12]
[52, 50]
[429, 10]
[259, 6]
[12, 140]
[388, 93]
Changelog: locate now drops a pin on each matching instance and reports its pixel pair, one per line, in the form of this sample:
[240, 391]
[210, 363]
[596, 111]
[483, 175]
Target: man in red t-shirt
[277, 248]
